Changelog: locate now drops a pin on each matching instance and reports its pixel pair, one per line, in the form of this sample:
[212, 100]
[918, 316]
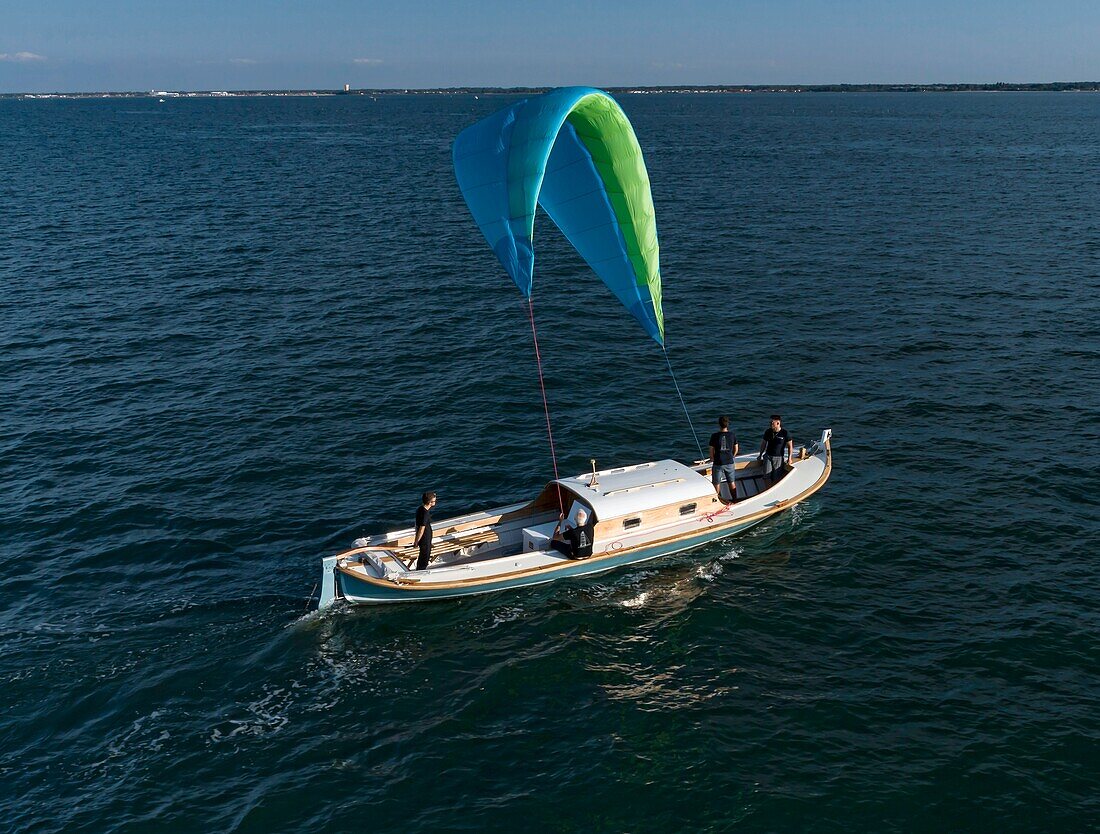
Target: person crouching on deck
[423, 537]
[723, 458]
[574, 542]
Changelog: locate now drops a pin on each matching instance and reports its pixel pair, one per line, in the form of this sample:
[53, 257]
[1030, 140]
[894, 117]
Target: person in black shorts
[574, 541]
[777, 440]
[423, 537]
[723, 455]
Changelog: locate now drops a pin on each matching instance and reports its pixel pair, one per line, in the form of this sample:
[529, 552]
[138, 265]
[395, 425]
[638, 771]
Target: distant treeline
[1000, 86]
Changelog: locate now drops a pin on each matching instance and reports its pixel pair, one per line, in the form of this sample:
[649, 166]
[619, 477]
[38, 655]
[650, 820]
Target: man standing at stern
[423, 537]
[777, 440]
[723, 458]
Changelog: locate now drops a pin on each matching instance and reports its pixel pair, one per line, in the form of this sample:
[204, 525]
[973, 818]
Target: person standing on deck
[723, 455]
[777, 440]
[423, 537]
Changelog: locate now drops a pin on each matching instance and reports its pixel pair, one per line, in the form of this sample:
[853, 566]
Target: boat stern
[330, 591]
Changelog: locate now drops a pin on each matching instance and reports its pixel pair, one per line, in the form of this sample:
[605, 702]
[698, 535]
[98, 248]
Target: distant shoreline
[1052, 87]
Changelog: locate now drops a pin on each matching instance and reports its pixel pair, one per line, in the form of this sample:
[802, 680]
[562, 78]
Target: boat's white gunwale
[358, 600]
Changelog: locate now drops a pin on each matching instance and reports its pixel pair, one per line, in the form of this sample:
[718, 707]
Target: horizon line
[869, 86]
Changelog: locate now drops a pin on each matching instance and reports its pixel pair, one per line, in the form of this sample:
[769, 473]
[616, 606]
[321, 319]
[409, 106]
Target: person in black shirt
[574, 542]
[423, 537]
[777, 440]
[723, 454]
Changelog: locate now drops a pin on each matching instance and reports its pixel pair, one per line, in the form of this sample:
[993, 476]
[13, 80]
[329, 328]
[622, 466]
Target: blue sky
[68, 45]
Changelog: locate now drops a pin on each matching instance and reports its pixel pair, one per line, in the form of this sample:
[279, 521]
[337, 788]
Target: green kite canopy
[573, 152]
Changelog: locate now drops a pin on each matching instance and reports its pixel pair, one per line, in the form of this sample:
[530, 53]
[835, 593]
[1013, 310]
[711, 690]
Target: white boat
[642, 512]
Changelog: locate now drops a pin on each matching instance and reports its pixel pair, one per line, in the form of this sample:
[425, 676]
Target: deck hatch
[644, 486]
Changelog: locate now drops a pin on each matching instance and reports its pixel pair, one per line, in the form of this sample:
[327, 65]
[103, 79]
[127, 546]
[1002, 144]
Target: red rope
[711, 516]
[545, 404]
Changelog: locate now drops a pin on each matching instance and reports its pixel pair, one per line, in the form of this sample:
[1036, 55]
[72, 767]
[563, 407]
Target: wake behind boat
[642, 512]
[573, 153]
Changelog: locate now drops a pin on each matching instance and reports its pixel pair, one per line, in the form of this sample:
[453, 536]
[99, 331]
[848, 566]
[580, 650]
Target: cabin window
[687, 509]
[631, 523]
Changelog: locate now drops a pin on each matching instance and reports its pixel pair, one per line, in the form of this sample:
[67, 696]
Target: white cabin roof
[634, 489]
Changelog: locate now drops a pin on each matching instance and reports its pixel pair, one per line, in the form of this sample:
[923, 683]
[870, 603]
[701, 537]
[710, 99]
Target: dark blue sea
[237, 334]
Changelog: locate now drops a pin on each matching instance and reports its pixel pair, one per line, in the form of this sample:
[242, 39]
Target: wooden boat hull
[360, 592]
[344, 577]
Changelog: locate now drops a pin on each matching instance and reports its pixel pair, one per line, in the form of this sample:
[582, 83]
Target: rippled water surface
[235, 335]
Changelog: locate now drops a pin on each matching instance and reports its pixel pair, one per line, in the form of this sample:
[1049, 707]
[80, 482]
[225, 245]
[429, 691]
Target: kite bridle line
[545, 404]
[675, 384]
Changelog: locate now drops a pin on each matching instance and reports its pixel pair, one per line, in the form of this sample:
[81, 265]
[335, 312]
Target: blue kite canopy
[573, 152]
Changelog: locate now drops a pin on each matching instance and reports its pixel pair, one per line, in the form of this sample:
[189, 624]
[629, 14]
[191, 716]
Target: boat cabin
[624, 501]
